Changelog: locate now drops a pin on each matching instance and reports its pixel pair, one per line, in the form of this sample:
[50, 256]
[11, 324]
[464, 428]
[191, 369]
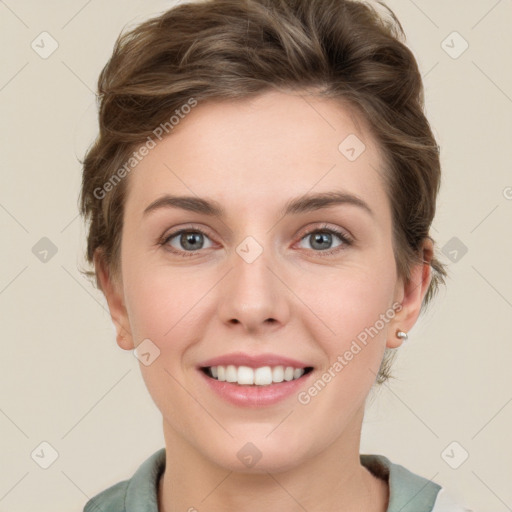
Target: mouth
[252, 377]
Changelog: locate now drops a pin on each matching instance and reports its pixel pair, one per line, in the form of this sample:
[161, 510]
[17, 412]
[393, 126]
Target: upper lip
[253, 361]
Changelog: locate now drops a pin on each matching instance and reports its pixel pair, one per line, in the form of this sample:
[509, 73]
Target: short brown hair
[232, 49]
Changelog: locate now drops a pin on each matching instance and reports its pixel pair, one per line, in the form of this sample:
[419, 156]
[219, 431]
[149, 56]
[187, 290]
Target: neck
[331, 481]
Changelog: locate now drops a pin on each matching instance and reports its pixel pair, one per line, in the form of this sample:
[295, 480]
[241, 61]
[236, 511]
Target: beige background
[64, 380]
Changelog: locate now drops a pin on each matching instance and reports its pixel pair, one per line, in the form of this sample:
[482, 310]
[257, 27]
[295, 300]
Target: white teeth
[231, 373]
[247, 376]
[297, 372]
[263, 376]
[288, 373]
[277, 374]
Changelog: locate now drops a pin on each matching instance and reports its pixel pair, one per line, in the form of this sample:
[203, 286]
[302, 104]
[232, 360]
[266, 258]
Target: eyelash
[347, 240]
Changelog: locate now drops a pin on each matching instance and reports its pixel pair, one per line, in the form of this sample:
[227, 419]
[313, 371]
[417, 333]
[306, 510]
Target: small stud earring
[401, 334]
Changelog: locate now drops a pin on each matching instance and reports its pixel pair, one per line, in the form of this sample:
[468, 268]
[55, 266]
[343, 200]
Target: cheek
[150, 308]
[164, 305]
[351, 299]
[355, 308]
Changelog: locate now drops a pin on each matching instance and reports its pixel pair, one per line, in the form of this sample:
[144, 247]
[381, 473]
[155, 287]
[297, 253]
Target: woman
[260, 197]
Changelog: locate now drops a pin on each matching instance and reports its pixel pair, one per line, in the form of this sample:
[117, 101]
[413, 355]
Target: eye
[322, 239]
[188, 241]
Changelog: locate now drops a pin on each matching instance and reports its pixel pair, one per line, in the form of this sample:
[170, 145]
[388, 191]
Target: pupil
[322, 237]
[190, 238]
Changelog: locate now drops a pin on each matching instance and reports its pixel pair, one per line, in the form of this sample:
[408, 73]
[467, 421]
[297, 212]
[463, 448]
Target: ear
[413, 293]
[112, 289]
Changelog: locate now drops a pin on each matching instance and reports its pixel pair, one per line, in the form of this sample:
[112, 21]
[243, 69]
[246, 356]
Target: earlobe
[399, 338]
[113, 294]
[124, 343]
[414, 292]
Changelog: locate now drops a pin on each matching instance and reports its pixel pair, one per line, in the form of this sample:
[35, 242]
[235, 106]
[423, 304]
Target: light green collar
[408, 492]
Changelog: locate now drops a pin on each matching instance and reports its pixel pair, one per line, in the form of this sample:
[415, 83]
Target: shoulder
[409, 492]
[446, 503]
[137, 494]
[111, 499]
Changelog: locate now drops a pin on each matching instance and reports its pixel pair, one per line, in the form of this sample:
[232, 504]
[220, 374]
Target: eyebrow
[302, 204]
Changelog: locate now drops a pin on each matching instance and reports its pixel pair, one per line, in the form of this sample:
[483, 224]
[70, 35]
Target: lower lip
[256, 396]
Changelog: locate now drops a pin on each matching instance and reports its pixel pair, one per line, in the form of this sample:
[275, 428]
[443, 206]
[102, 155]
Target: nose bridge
[253, 295]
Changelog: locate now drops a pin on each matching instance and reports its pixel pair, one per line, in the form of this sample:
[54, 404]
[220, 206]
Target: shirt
[408, 492]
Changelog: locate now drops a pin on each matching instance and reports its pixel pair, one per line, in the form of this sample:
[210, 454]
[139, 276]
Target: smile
[262, 376]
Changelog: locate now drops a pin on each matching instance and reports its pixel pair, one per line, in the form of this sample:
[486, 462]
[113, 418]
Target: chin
[258, 453]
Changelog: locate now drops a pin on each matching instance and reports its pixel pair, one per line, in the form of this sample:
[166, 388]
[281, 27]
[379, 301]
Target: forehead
[259, 152]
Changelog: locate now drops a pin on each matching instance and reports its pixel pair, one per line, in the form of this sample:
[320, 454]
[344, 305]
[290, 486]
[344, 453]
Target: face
[270, 276]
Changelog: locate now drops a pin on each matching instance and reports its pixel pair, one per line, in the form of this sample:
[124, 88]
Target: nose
[253, 295]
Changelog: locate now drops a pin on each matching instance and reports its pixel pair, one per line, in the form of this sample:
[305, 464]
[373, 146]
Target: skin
[252, 156]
